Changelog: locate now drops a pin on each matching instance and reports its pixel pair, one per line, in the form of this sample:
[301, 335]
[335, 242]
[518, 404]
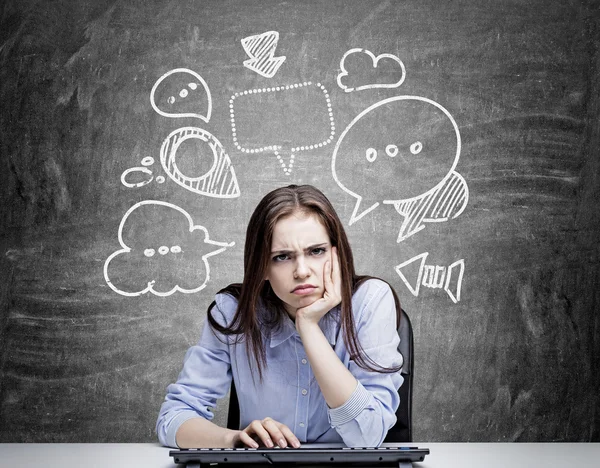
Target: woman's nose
[302, 269]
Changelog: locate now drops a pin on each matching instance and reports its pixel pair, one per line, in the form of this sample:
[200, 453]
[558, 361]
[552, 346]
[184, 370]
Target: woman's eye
[318, 251]
[280, 258]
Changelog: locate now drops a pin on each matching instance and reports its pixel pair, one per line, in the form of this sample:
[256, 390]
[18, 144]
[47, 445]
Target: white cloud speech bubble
[159, 238]
[375, 60]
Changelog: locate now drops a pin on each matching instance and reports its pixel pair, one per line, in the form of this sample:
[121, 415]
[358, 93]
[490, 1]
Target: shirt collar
[283, 332]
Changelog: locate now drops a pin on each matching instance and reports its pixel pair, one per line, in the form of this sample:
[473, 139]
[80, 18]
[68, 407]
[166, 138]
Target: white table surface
[448, 455]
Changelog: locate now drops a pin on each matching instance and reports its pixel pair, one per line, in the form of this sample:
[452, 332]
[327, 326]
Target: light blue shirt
[289, 392]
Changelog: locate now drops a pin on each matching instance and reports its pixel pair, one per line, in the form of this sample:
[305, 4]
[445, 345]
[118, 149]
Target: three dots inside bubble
[183, 93]
[392, 151]
[162, 250]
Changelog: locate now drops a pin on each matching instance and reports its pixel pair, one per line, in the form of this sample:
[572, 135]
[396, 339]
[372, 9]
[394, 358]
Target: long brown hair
[247, 322]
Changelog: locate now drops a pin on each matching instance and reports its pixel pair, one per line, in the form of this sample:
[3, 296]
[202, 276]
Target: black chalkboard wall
[124, 124]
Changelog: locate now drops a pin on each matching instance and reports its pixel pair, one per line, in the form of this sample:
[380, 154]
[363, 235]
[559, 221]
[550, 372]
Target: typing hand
[266, 431]
[332, 296]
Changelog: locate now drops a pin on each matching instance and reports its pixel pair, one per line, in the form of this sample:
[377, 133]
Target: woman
[311, 346]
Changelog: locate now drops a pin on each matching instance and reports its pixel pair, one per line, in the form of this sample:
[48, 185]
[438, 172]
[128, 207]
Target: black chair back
[233, 414]
[402, 430]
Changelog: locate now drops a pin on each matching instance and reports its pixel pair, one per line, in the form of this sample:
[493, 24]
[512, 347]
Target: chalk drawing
[261, 50]
[282, 117]
[219, 181]
[181, 92]
[141, 172]
[406, 149]
[157, 237]
[400, 71]
[416, 273]
[445, 201]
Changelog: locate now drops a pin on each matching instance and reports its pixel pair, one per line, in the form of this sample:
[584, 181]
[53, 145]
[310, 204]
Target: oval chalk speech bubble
[398, 148]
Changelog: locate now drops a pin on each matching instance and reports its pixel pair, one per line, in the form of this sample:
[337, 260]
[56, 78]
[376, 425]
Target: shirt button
[304, 391]
[301, 424]
[304, 361]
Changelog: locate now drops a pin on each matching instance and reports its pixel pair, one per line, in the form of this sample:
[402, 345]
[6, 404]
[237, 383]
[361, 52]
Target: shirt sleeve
[205, 378]
[366, 417]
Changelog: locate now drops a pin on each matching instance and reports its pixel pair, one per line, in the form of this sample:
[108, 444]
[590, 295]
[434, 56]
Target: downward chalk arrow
[261, 50]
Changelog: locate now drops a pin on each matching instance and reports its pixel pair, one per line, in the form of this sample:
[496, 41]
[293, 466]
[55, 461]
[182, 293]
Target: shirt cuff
[176, 423]
[357, 402]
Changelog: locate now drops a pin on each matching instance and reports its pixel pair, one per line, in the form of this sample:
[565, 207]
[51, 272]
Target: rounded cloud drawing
[162, 252]
[372, 76]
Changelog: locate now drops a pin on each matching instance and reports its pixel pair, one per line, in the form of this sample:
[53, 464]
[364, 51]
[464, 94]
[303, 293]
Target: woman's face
[299, 250]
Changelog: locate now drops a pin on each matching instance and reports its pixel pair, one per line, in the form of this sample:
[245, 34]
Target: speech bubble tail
[287, 168]
[222, 247]
[356, 214]
[411, 223]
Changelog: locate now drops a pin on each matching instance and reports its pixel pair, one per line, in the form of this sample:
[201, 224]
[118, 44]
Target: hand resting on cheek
[332, 294]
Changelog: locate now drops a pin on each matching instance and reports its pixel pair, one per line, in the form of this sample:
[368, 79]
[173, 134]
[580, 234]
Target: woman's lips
[304, 289]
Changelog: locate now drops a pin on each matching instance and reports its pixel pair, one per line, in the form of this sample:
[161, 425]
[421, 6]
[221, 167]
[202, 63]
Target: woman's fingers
[327, 280]
[332, 278]
[270, 433]
[280, 433]
[273, 428]
[246, 440]
[289, 436]
[258, 428]
[336, 276]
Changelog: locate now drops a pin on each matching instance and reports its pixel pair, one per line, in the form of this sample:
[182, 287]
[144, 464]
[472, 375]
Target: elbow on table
[367, 440]
[161, 434]
[370, 434]
[168, 424]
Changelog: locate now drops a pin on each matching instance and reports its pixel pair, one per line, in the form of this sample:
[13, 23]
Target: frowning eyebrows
[322, 245]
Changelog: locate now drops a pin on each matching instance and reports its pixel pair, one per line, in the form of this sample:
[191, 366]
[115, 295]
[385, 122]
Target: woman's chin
[306, 301]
